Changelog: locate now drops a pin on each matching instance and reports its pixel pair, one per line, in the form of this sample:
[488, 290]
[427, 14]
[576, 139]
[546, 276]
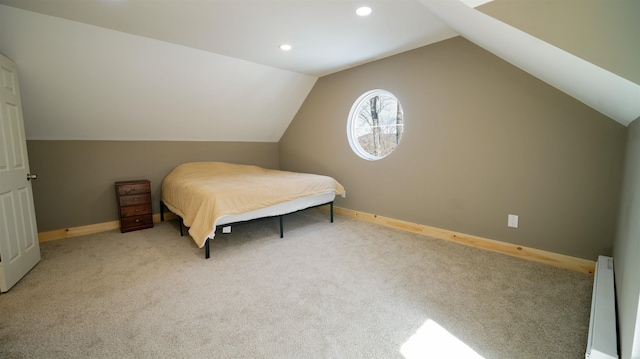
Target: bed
[207, 196]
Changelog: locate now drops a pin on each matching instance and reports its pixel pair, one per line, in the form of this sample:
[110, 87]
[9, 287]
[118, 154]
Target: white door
[19, 247]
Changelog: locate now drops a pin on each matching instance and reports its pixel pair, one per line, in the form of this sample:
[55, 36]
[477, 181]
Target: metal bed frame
[281, 216]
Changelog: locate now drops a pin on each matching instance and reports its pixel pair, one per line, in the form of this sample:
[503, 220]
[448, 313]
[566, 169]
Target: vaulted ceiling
[212, 70]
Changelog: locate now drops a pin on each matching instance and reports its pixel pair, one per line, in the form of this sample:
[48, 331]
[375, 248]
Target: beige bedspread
[201, 192]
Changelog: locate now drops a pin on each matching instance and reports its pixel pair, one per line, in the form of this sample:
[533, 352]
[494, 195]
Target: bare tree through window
[376, 124]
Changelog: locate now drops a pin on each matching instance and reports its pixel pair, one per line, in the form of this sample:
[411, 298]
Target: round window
[375, 124]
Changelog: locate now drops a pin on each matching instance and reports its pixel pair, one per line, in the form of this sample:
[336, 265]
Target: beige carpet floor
[344, 290]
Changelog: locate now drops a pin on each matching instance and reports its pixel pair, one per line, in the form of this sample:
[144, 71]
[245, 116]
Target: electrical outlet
[512, 221]
[226, 229]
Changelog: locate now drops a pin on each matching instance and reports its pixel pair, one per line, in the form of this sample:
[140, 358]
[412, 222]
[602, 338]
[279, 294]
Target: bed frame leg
[161, 211]
[181, 226]
[207, 253]
[331, 210]
[281, 227]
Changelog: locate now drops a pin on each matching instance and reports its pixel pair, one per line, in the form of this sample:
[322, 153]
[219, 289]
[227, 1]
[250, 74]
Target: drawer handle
[135, 199]
[137, 210]
[137, 221]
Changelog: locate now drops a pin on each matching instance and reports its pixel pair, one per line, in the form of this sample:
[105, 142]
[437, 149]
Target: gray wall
[626, 250]
[483, 139]
[75, 184]
[604, 33]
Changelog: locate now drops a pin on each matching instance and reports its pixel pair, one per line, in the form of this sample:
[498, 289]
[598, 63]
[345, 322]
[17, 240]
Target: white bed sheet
[275, 210]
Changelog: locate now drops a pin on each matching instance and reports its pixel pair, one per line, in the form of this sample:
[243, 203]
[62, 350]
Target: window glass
[375, 125]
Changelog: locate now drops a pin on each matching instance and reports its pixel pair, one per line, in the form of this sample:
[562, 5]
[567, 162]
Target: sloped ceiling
[83, 82]
[604, 33]
[611, 94]
[212, 70]
[190, 70]
[326, 34]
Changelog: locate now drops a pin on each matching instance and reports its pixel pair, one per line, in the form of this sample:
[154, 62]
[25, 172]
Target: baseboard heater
[603, 338]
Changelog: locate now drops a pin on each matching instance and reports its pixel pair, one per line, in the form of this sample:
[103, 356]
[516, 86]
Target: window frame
[352, 119]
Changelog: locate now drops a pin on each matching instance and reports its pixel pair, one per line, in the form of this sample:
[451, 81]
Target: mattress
[209, 194]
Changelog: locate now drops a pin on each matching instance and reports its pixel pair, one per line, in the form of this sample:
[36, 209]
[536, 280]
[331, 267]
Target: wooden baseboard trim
[167, 217]
[555, 259]
[91, 229]
[77, 231]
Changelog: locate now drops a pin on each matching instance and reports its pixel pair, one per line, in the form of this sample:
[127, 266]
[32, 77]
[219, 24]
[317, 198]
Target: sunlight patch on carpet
[433, 341]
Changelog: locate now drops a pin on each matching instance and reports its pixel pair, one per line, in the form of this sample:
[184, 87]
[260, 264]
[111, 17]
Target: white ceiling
[605, 91]
[326, 35]
[83, 82]
[211, 70]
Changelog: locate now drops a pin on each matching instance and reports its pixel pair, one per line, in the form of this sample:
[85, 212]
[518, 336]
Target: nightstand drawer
[135, 210]
[134, 188]
[135, 200]
[136, 221]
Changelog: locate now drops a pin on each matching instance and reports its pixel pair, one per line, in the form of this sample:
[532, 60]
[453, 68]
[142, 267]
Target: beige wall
[604, 33]
[483, 139]
[627, 250]
[75, 184]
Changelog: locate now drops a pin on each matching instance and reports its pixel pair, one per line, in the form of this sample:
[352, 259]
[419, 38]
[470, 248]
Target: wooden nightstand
[134, 205]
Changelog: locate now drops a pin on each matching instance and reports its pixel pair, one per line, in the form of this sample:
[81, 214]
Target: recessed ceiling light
[285, 47]
[363, 11]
